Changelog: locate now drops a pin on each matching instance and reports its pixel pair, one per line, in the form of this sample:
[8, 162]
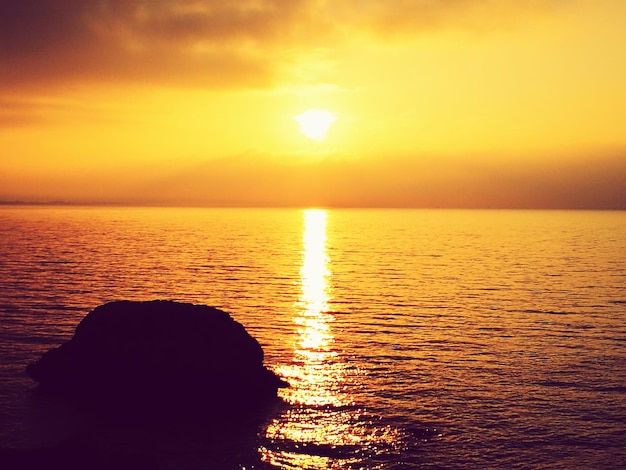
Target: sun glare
[315, 123]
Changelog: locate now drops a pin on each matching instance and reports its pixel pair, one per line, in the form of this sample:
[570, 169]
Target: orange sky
[471, 103]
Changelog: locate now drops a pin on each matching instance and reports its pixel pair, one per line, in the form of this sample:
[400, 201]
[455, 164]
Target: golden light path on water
[314, 432]
[315, 373]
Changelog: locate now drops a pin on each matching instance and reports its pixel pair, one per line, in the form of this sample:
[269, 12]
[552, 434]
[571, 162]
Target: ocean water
[433, 339]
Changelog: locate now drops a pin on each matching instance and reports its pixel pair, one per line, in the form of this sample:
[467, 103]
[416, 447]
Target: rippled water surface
[411, 338]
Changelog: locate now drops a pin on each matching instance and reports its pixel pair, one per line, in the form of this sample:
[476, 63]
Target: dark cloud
[205, 42]
[220, 43]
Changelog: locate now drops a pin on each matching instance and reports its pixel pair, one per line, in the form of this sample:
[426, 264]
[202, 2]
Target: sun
[315, 123]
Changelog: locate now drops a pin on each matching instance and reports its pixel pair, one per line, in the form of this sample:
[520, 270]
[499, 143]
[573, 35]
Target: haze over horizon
[472, 103]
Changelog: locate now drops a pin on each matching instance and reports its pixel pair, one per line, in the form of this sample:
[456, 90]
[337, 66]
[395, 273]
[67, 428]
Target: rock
[159, 358]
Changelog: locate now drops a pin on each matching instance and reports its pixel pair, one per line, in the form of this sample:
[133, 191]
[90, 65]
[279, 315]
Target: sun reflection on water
[320, 425]
[314, 372]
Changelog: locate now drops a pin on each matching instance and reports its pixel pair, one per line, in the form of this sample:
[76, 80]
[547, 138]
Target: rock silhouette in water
[159, 357]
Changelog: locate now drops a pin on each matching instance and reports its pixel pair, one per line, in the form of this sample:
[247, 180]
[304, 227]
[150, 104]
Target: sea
[426, 339]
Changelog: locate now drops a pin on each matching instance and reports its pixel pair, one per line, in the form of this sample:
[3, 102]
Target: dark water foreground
[110, 445]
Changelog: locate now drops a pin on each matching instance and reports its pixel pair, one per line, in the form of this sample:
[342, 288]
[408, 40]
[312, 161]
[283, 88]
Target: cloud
[259, 179]
[16, 113]
[213, 43]
[44, 42]
[410, 17]
[273, 180]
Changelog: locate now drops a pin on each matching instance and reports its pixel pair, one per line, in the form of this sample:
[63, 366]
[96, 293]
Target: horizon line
[129, 204]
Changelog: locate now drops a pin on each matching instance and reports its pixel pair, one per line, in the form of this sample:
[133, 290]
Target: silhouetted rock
[159, 358]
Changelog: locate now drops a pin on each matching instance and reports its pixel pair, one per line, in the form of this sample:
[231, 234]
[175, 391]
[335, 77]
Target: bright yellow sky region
[475, 103]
